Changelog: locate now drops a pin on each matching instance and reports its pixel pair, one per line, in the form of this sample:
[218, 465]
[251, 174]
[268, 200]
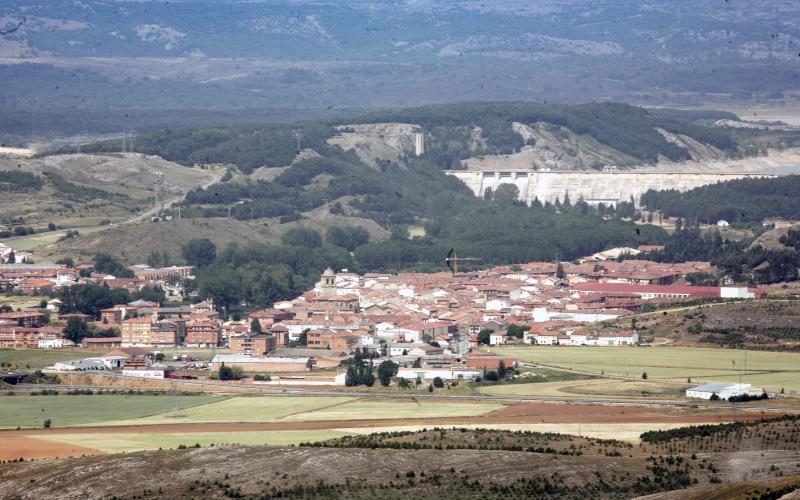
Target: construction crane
[453, 259]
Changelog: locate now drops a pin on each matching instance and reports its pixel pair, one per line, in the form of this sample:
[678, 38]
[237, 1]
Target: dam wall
[594, 187]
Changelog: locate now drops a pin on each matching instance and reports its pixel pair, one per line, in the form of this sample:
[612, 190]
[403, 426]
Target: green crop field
[771, 370]
[241, 409]
[31, 411]
[129, 442]
[305, 409]
[39, 358]
[396, 409]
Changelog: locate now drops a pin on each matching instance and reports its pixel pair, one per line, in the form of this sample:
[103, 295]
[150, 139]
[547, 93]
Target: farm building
[721, 389]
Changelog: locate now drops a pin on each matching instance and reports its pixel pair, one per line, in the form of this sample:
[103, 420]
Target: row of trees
[90, 299]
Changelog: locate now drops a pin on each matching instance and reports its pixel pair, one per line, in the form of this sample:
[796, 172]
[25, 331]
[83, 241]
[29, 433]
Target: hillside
[534, 135]
[365, 168]
[769, 324]
[437, 463]
[738, 201]
[134, 243]
[80, 190]
[348, 170]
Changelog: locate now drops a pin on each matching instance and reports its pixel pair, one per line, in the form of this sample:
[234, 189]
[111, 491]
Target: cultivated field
[31, 411]
[603, 387]
[312, 409]
[128, 442]
[771, 370]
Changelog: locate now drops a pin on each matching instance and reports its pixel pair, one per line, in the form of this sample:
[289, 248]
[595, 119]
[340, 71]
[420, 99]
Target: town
[430, 326]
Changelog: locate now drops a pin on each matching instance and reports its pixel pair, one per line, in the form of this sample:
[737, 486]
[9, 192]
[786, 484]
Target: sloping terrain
[84, 189]
[435, 463]
[552, 147]
[377, 142]
[133, 243]
[762, 324]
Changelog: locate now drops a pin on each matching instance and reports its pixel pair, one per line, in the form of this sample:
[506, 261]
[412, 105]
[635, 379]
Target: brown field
[21, 446]
[519, 415]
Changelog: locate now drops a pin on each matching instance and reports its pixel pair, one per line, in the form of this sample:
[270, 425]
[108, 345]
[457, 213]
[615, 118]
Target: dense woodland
[742, 262]
[628, 129]
[737, 201]
[415, 192]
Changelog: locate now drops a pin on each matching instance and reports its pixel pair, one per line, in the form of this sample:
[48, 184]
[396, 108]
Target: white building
[402, 348]
[721, 389]
[618, 338]
[497, 338]
[443, 373]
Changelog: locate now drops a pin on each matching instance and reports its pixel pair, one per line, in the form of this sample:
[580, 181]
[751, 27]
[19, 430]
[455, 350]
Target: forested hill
[737, 201]
[454, 132]
[412, 195]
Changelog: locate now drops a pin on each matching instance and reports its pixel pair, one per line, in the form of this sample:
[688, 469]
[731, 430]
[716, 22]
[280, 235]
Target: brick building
[203, 333]
[136, 332]
[253, 345]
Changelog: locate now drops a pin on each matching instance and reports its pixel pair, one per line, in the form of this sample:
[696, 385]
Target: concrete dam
[593, 187]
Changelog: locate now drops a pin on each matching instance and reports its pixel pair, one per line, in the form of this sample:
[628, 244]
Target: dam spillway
[593, 187]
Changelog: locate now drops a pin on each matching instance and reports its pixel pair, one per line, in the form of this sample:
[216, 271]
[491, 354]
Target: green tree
[255, 326]
[152, 294]
[502, 371]
[644, 375]
[221, 284]
[517, 331]
[90, 299]
[560, 274]
[386, 370]
[483, 336]
[347, 237]
[506, 193]
[106, 264]
[76, 329]
[230, 373]
[302, 237]
[438, 382]
[199, 252]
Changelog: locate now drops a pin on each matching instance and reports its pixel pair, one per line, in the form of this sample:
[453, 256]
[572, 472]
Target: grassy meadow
[771, 370]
